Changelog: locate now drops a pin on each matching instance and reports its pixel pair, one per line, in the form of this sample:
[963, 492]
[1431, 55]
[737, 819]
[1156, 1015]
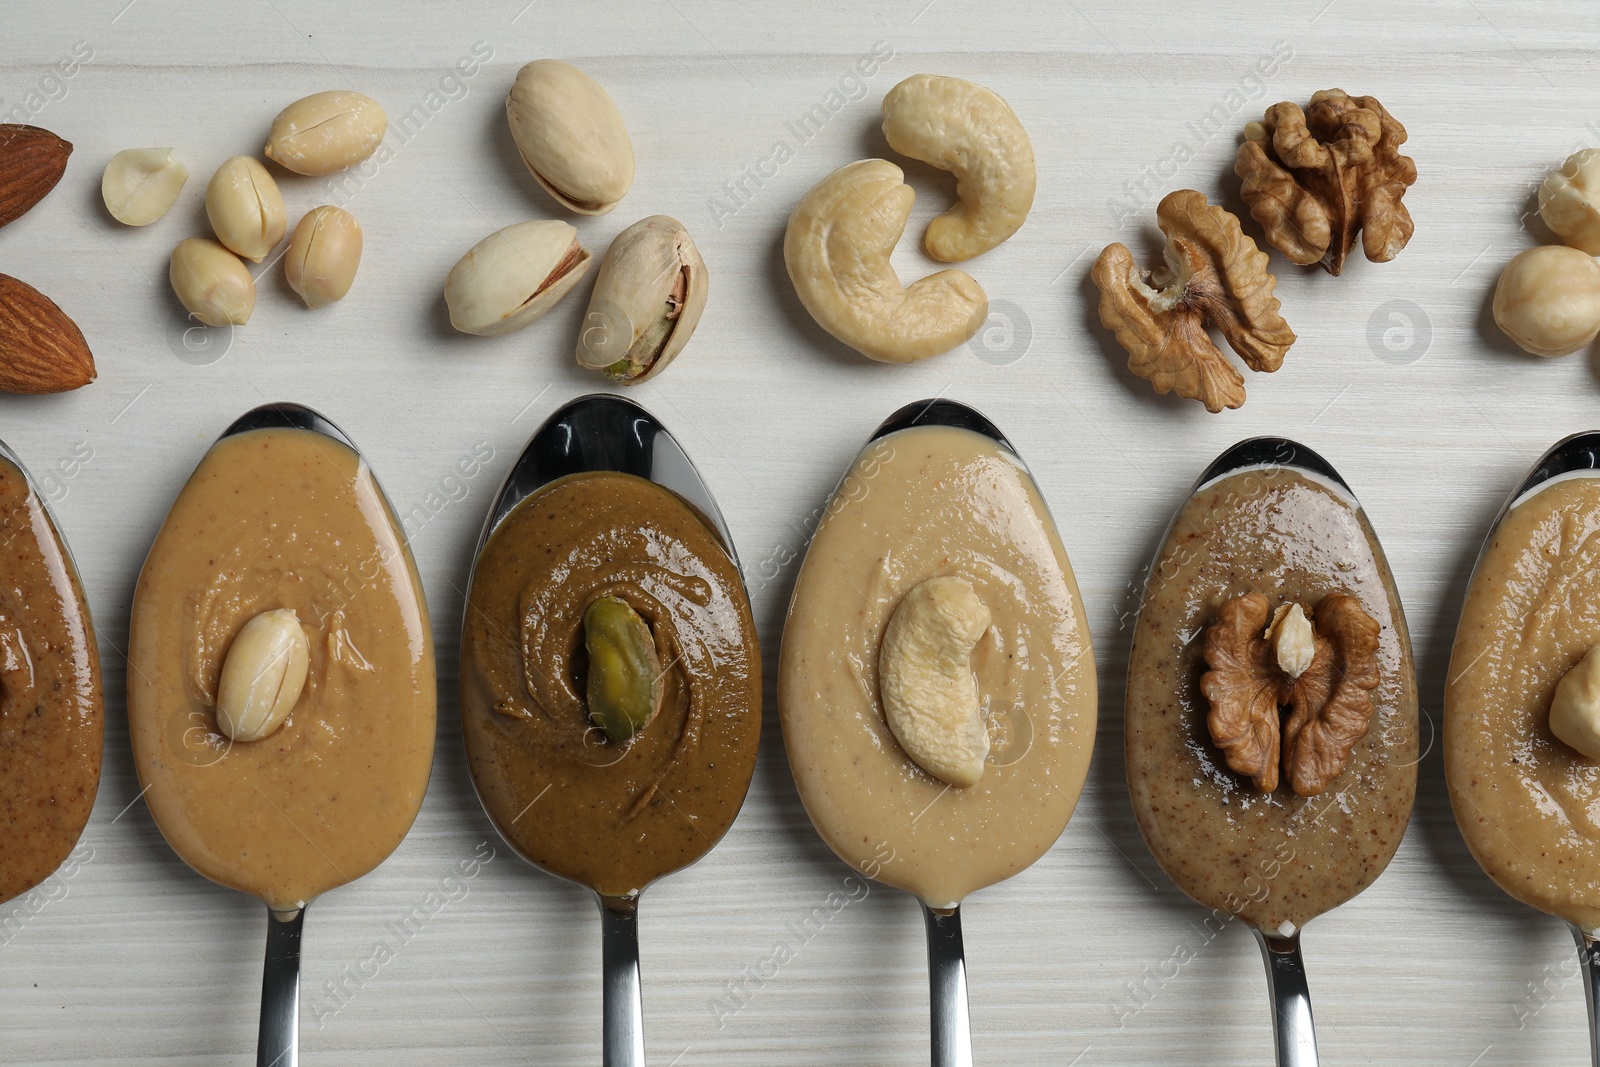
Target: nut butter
[919, 504]
[1527, 803]
[1260, 849]
[51, 718]
[612, 807]
[283, 519]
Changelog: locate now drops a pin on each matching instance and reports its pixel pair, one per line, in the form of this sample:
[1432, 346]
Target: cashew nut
[1575, 710]
[972, 133]
[930, 697]
[837, 250]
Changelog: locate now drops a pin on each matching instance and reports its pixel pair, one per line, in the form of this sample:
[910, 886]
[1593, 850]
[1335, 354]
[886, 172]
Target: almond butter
[31, 162]
[41, 349]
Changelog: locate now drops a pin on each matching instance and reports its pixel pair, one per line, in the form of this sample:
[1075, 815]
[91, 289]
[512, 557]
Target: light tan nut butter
[139, 185]
[930, 696]
[262, 676]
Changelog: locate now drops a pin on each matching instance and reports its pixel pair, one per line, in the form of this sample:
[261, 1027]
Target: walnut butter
[281, 676]
[1271, 718]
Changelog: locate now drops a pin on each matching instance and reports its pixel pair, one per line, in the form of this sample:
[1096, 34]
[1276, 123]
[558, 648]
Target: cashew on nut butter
[610, 682]
[1522, 703]
[1271, 715]
[936, 684]
[52, 719]
[281, 681]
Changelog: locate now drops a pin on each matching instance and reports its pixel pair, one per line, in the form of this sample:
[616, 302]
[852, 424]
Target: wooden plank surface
[1091, 957]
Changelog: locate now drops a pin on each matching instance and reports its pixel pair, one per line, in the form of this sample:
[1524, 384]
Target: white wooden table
[1091, 957]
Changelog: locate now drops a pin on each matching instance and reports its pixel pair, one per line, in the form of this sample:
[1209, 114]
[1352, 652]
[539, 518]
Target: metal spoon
[1293, 1031]
[1580, 452]
[947, 968]
[604, 432]
[278, 1039]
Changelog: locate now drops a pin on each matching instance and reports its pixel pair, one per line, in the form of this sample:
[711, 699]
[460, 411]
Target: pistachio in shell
[647, 301]
[625, 676]
[571, 136]
[513, 276]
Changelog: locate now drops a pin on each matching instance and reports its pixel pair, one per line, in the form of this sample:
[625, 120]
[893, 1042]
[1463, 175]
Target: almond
[31, 162]
[41, 350]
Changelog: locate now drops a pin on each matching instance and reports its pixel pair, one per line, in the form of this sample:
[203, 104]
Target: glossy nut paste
[1276, 860]
[918, 503]
[613, 816]
[283, 518]
[51, 719]
[1529, 806]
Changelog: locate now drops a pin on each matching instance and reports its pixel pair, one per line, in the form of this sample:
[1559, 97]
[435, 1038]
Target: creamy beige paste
[919, 503]
[1529, 806]
[283, 518]
[1271, 859]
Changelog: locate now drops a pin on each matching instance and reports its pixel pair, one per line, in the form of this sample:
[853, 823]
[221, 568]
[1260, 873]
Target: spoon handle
[278, 1042]
[1589, 961]
[623, 1002]
[947, 984]
[1291, 999]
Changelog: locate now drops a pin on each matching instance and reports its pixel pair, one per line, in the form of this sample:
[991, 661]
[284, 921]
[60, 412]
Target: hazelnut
[1548, 300]
[1575, 710]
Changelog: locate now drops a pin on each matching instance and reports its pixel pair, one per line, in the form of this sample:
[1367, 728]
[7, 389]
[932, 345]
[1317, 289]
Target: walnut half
[1215, 276]
[1330, 704]
[1312, 179]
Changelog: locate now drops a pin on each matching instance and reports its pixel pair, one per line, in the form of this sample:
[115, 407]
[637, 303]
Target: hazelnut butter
[925, 503]
[1528, 805]
[1276, 859]
[51, 718]
[283, 519]
[610, 814]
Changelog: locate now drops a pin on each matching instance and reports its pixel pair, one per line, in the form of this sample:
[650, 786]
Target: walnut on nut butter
[1249, 682]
